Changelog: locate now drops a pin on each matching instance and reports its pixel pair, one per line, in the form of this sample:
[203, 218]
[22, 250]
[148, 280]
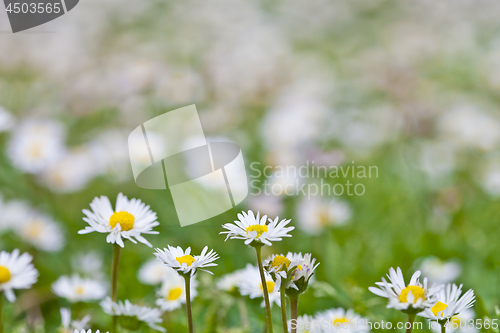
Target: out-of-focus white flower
[490, 179]
[183, 262]
[415, 295]
[75, 289]
[39, 230]
[305, 324]
[111, 154]
[340, 320]
[230, 282]
[36, 144]
[364, 131]
[68, 325]
[439, 271]
[450, 302]
[253, 228]
[173, 292]
[283, 182]
[16, 272]
[300, 114]
[315, 213]
[437, 159]
[87, 263]
[468, 126]
[12, 212]
[128, 220]
[6, 120]
[250, 285]
[270, 205]
[143, 314]
[72, 172]
[154, 272]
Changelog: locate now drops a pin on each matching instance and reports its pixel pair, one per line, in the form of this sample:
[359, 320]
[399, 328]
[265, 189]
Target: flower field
[370, 134]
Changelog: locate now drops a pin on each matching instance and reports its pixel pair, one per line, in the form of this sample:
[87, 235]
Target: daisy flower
[67, 324]
[75, 289]
[250, 285]
[229, 282]
[305, 324]
[154, 272]
[36, 144]
[253, 228]
[450, 302]
[340, 320]
[40, 231]
[16, 272]
[315, 214]
[295, 270]
[71, 172]
[128, 220]
[183, 262]
[413, 297]
[132, 316]
[439, 271]
[282, 268]
[7, 121]
[173, 292]
[12, 212]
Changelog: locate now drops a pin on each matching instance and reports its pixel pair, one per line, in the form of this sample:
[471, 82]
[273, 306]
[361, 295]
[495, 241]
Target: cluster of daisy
[280, 276]
[37, 147]
[439, 302]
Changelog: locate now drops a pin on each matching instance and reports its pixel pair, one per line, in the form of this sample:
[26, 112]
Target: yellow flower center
[79, 290]
[257, 227]
[439, 306]
[33, 229]
[174, 294]
[270, 286]
[455, 321]
[416, 291]
[4, 274]
[341, 321]
[36, 150]
[125, 219]
[280, 262]
[187, 259]
[323, 217]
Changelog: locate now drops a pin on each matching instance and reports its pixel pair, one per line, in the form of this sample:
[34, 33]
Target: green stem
[187, 279]
[411, 318]
[269, 318]
[443, 328]
[283, 308]
[243, 313]
[114, 280]
[1, 314]
[294, 305]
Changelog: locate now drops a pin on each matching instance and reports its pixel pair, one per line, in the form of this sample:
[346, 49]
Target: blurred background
[411, 87]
